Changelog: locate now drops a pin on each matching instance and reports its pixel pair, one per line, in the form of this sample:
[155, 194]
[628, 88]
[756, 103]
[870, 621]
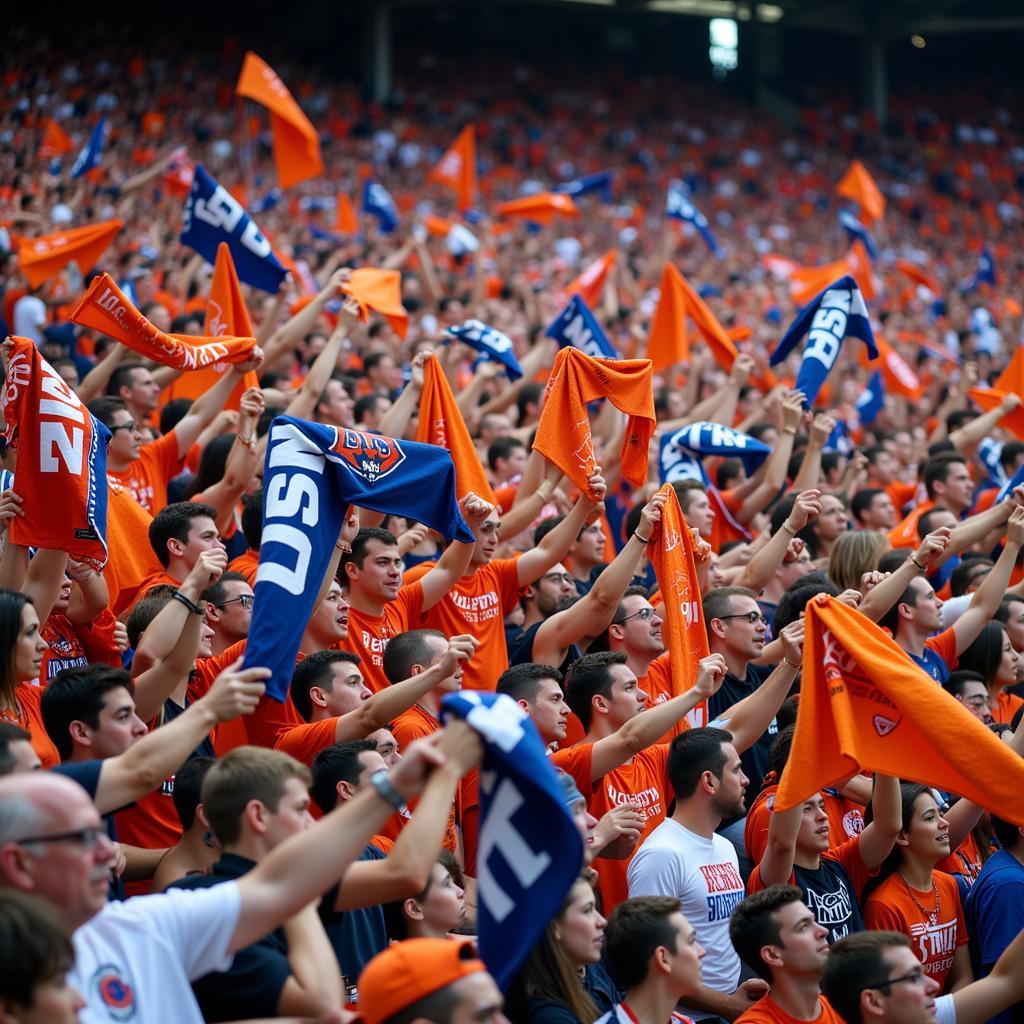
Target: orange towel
[41, 258]
[541, 208]
[380, 290]
[55, 140]
[989, 398]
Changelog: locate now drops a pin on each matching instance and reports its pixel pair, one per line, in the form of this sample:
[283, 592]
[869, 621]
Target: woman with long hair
[21, 655]
[550, 986]
[434, 912]
[910, 896]
[993, 656]
[853, 554]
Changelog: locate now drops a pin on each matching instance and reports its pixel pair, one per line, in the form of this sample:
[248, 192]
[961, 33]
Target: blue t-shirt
[356, 935]
[932, 664]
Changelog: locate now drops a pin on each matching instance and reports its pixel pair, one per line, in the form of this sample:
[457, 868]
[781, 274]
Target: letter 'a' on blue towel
[311, 475]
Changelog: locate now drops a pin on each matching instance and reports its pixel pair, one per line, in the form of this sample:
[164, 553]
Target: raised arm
[303, 404]
[95, 381]
[89, 595]
[759, 570]
[966, 438]
[776, 465]
[395, 422]
[878, 838]
[809, 474]
[295, 329]
[454, 563]
[1002, 988]
[881, 597]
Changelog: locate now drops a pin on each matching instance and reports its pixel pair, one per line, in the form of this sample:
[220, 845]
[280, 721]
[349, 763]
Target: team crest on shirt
[369, 455]
[114, 992]
[884, 726]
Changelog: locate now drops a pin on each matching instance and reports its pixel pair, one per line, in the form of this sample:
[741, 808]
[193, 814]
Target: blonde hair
[853, 554]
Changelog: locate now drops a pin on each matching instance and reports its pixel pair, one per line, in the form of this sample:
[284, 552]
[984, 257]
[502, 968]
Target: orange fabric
[368, 635]
[55, 140]
[246, 563]
[457, 168]
[31, 718]
[1006, 707]
[767, 1011]
[152, 822]
[847, 854]
[659, 686]
[105, 308]
[440, 423]
[964, 860]
[916, 274]
[541, 208]
[296, 143]
[305, 741]
[131, 556]
[589, 286]
[225, 315]
[891, 908]
[563, 433]
[807, 282]
[668, 341]
[989, 398]
[346, 221]
[147, 477]
[40, 258]
[864, 705]
[1012, 378]
[899, 378]
[905, 533]
[379, 290]
[437, 226]
[858, 185]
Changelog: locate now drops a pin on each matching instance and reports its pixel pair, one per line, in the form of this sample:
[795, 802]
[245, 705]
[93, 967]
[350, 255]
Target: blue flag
[857, 232]
[493, 344]
[577, 326]
[312, 473]
[704, 438]
[836, 313]
[90, 154]
[1015, 481]
[678, 206]
[984, 274]
[212, 216]
[529, 851]
[677, 463]
[839, 440]
[872, 399]
[599, 182]
[378, 203]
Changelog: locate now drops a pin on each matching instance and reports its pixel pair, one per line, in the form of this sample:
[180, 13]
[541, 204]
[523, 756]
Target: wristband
[249, 442]
[344, 547]
[386, 789]
[190, 605]
[643, 540]
[789, 529]
[795, 668]
[789, 430]
[920, 567]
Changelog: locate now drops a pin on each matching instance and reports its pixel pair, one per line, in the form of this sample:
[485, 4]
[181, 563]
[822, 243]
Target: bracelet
[789, 529]
[920, 567]
[190, 605]
[249, 442]
[344, 547]
[789, 430]
[386, 789]
[795, 668]
[643, 540]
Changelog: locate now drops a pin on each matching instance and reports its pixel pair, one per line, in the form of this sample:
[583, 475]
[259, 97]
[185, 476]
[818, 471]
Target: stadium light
[724, 49]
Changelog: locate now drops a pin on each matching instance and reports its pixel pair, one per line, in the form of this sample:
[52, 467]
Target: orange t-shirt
[368, 635]
[1006, 707]
[892, 908]
[657, 684]
[767, 1011]
[130, 555]
[29, 697]
[246, 563]
[305, 741]
[964, 860]
[477, 604]
[146, 478]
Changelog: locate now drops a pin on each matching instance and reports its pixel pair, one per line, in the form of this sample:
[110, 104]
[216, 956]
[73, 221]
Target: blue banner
[705, 438]
[872, 399]
[576, 325]
[600, 182]
[679, 206]
[92, 152]
[212, 216]
[378, 203]
[493, 344]
[530, 851]
[312, 473]
[985, 273]
[857, 232]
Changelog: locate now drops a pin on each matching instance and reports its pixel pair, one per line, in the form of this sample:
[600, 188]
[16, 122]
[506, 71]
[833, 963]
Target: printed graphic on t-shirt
[935, 945]
[725, 889]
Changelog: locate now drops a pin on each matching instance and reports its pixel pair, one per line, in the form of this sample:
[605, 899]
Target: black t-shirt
[831, 897]
[521, 652]
[356, 935]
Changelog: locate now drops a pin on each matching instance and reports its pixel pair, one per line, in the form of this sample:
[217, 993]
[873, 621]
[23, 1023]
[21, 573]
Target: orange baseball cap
[409, 971]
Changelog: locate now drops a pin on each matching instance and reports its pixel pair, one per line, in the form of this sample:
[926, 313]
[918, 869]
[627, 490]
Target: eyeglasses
[751, 617]
[914, 978]
[644, 615]
[559, 577]
[245, 600]
[131, 426]
[88, 837]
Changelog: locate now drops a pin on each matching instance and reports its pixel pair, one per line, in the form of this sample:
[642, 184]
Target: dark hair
[218, 593]
[337, 763]
[212, 464]
[1009, 454]
[77, 695]
[1006, 832]
[121, 378]
[963, 575]
[143, 612]
[173, 522]
[544, 527]
[188, 784]
[924, 524]
[362, 542]
[406, 650]
[891, 619]
[10, 733]
[502, 448]
[862, 501]
[35, 947]
[395, 924]
[855, 963]
[937, 469]
[529, 394]
[795, 599]
[693, 753]
[636, 928]
[959, 679]
[522, 682]
[985, 652]
[104, 408]
[1005, 610]
[718, 602]
[366, 403]
[173, 413]
[752, 926]
[909, 793]
[12, 606]
[252, 518]
[317, 669]
[590, 677]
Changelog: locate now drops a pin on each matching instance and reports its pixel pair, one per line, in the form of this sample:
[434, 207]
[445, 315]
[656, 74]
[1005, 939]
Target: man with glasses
[969, 688]
[228, 610]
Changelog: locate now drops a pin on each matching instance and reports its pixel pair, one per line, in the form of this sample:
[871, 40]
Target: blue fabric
[1015, 481]
[92, 152]
[212, 216]
[872, 399]
[267, 202]
[985, 273]
[599, 182]
[676, 463]
[704, 438]
[933, 664]
[857, 232]
[378, 203]
[530, 851]
[837, 313]
[312, 473]
[679, 206]
[492, 343]
[839, 440]
[577, 326]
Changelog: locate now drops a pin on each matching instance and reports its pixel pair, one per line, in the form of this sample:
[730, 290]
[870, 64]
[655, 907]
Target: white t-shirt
[703, 874]
[29, 318]
[945, 1010]
[134, 961]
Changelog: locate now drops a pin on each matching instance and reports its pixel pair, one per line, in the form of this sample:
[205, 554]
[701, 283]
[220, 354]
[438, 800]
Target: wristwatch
[380, 782]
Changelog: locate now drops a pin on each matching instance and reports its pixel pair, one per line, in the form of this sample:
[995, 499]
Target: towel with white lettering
[530, 851]
[312, 473]
[492, 343]
[576, 325]
[705, 438]
[62, 460]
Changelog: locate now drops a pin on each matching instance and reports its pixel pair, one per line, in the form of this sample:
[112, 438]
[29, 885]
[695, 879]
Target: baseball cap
[409, 971]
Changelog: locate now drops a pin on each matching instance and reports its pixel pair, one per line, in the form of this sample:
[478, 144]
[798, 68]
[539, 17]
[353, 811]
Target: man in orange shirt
[178, 534]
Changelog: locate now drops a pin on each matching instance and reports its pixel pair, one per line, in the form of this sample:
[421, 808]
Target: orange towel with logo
[541, 208]
[457, 168]
[858, 185]
[563, 433]
[865, 706]
[589, 286]
[296, 143]
[381, 291]
[41, 258]
[106, 308]
[441, 423]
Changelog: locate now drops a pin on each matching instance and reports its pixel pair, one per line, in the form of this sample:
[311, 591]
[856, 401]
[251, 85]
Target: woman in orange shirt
[21, 655]
[992, 654]
[911, 897]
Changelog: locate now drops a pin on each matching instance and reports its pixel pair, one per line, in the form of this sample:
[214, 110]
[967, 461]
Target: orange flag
[296, 143]
[896, 372]
[672, 555]
[989, 398]
[858, 185]
[563, 433]
[226, 315]
[919, 276]
[55, 140]
[865, 706]
[380, 290]
[457, 168]
[589, 286]
[105, 308]
[345, 222]
[441, 423]
[668, 343]
[807, 282]
[540, 208]
[41, 258]
[1012, 378]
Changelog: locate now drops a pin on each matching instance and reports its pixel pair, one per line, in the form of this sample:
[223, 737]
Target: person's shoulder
[85, 773]
[542, 1010]
[765, 1010]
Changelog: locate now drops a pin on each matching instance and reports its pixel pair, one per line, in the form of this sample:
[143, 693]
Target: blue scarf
[378, 203]
[838, 312]
[679, 206]
[312, 473]
[857, 232]
[493, 344]
[599, 182]
[704, 438]
[530, 851]
[92, 152]
[872, 399]
[212, 216]
[576, 325]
